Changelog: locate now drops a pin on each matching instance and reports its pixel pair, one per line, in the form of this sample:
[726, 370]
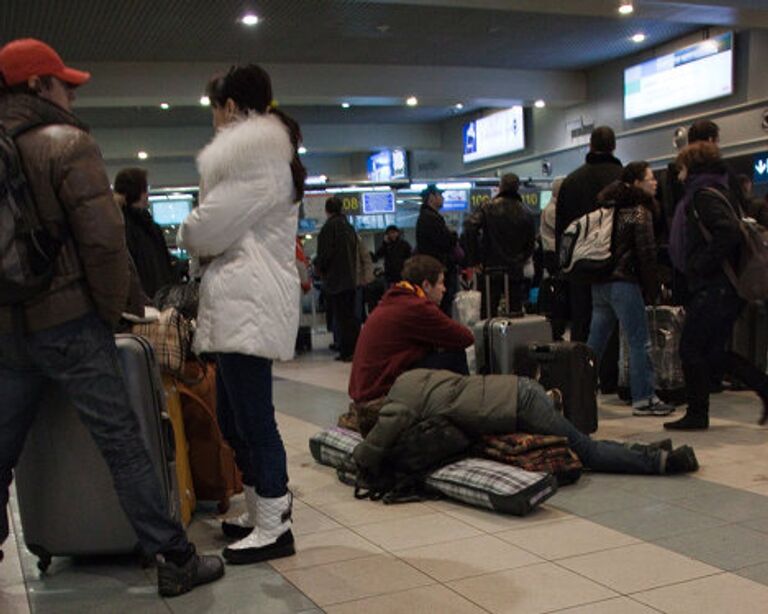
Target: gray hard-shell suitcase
[67, 501]
[497, 339]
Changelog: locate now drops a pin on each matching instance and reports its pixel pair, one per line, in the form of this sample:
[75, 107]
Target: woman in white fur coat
[244, 233]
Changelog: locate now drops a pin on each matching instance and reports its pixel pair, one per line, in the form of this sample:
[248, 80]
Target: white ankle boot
[271, 537]
[241, 526]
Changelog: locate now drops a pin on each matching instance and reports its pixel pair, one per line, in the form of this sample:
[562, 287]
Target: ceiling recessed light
[412, 101]
[249, 19]
[539, 104]
[302, 150]
[626, 8]
[165, 106]
[638, 38]
[142, 155]
[345, 105]
[458, 106]
[205, 101]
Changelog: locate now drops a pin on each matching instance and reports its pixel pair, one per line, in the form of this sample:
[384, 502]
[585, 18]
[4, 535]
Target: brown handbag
[214, 472]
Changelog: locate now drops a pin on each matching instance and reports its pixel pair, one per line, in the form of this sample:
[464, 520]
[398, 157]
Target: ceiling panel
[326, 31]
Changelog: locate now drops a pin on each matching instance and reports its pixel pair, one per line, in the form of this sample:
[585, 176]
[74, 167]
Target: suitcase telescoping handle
[487, 274]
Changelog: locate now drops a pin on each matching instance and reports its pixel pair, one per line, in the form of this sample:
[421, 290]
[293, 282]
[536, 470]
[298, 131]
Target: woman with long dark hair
[631, 284]
[713, 306]
[244, 232]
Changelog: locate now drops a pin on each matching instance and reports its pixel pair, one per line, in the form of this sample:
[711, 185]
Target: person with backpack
[500, 237]
[706, 242]
[61, 330]
[631, 282]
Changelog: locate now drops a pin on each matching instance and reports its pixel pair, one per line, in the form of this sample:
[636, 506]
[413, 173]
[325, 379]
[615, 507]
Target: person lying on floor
[406, 330]
[500, 404]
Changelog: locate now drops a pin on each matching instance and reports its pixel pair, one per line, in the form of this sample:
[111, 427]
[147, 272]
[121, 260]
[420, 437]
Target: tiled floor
[609, 544]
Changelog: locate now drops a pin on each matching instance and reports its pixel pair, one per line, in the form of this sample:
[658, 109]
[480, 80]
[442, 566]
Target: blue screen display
[378, 202]
[171, 212]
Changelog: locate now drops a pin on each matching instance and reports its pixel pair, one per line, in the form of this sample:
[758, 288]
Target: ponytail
[298, 171]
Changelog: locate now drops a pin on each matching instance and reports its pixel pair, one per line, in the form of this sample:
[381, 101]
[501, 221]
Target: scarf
[677, 233]
[417, 290]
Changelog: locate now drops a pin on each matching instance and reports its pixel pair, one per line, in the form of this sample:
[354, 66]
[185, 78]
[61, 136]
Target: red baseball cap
[29, 57]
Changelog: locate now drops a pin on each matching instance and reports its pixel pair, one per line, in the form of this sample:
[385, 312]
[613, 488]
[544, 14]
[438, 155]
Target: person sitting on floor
[407, 330]
[501, 404]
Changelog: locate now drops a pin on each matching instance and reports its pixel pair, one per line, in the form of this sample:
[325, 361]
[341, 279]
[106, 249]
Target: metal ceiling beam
[114, 84]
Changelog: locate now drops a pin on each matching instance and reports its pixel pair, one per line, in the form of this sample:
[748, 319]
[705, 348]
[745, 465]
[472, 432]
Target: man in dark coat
[434, 238]
[336, 263]
[395, 250]
[578, 196]
[500, 236]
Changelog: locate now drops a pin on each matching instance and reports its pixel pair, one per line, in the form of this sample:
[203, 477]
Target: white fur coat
[246, 223]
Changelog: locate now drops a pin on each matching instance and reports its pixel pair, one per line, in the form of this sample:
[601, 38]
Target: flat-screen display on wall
[494, 135]
[170, 210]
[387, 165]
[693, 74]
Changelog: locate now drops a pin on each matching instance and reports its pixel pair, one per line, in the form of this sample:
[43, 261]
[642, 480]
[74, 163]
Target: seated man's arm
[430, 325]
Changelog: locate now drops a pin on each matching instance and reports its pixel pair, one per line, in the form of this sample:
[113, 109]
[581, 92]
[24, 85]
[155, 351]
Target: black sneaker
[681, 460]
[174, 580]
[653, 408]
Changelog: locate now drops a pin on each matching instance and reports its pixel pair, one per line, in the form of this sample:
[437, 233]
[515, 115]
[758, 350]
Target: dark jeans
[345, 321]
[247, 421]
[82, 358]
[709, 318]
[455, 361]
[536, 414]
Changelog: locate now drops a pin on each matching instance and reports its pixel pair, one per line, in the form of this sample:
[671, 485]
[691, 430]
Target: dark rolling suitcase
[67, 501]
[572, 368]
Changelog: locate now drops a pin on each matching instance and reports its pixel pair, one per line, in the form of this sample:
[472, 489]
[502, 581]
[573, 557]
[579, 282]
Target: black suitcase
[572, 368]
[67, 501]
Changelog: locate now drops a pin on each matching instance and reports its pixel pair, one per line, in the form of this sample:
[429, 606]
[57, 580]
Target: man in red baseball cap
[63, 333]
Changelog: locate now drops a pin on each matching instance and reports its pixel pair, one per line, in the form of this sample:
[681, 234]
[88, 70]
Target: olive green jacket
[477, 404]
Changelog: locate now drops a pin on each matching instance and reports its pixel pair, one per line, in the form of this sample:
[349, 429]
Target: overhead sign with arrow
[760, 168]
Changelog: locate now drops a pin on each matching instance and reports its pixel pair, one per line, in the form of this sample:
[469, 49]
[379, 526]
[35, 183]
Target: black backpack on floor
[27, 250]
[421, 449]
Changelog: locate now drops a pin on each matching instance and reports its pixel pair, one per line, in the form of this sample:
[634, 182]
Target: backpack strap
[727, 268]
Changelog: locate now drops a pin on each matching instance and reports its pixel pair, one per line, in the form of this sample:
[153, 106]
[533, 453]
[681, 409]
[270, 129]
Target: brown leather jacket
[65, 170]
[634, 245]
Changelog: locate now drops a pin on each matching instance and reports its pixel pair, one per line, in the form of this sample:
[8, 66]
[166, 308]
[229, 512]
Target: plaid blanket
[544, 453]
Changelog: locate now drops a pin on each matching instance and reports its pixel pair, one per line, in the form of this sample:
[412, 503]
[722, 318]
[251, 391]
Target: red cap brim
[72, 76]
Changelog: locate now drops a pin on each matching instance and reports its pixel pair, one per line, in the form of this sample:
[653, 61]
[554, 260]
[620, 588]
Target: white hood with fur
[246, 226]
